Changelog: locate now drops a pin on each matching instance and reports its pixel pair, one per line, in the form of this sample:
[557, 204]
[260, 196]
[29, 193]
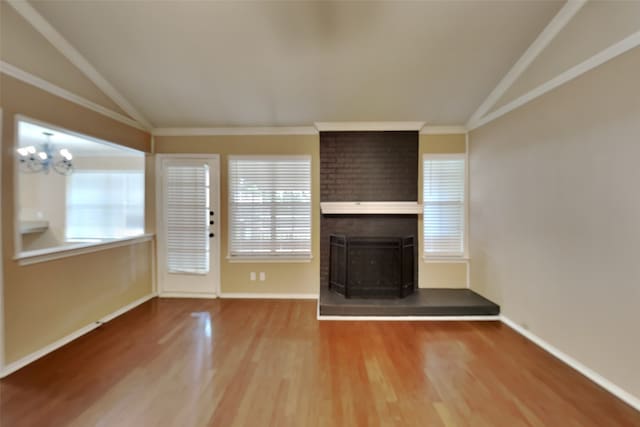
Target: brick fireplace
[370, 167]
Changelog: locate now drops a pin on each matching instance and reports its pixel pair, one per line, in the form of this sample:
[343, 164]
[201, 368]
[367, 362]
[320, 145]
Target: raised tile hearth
[423, 302]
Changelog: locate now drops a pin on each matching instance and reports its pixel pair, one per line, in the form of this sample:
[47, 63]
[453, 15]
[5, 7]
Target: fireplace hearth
[372, 267]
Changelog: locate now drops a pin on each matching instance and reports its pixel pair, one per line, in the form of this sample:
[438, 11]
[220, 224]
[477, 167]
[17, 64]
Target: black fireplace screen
[372, 267]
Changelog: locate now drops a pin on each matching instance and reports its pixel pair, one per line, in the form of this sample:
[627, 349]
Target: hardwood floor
[271, 363]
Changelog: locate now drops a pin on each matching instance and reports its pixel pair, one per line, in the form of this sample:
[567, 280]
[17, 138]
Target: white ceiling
[203, 64]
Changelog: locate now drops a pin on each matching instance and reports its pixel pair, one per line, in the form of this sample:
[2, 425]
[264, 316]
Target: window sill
[449, 259]
[267, 260]
[50, 254]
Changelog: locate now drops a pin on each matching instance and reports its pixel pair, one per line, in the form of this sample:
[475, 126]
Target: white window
[444, 205]
[104, 204]
[270, 206]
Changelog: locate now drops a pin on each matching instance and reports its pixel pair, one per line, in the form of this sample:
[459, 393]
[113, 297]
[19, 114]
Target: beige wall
[47, 301]
[298, 278]
[134, 162]
[302, 277]
[598, 25]
[439, 274]
[42, 197]
[34, 103]
[24, 47]
[554, 218]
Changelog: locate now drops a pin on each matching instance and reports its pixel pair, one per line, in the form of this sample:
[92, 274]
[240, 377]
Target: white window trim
[450, 258]
[267, 260]
[285, 258]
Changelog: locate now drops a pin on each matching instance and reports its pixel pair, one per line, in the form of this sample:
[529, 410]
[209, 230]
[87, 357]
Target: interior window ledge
[273, 259]
[50, 254]
[451, 259]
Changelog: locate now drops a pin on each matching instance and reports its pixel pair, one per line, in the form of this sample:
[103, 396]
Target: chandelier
[45, 158]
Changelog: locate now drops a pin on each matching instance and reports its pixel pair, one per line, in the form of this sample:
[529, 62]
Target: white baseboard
[617, 391]
[412, 318]
[186, 295]
[267, 296]
[21, 363]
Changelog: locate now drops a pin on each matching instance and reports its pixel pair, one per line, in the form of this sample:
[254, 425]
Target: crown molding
[559, 21]
[228, 131]
[41, 25]
[24, 76]
[311, 130]
[443, 130]
[598, 59]
[368, 126]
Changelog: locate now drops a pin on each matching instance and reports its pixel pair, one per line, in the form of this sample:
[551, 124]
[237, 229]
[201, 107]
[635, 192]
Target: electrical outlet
[252, 275]
[263, 276]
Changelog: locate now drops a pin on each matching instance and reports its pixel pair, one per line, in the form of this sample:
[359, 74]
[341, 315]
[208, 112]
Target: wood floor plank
[253, 363]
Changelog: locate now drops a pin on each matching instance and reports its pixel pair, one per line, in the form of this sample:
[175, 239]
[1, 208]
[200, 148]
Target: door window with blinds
[270, 206]
[187, 212]
[444, 205]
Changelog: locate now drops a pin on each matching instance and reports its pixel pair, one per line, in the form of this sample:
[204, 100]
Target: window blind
[444, 205]
[270, 206]
[104, 204]
[187, 218]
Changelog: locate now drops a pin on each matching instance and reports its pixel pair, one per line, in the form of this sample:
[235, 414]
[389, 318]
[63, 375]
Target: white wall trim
[154, 264]
[187, 295]
[467, 204]
[20, 363]
[468, 274]
[50, 254]
[247, 295]
[19, 74]
[443, 130]
[445, 260]
[413, 318]
[228, 131]
[584, 370]
[367, 126]
[41, 25]
[1, 261]
[598, 59]
[559, 21]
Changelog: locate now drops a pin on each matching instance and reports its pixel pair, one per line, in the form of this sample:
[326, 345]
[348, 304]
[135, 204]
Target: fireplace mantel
[397, 208]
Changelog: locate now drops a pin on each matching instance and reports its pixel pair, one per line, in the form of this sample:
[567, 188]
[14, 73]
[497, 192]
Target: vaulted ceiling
[190, 64]
[226, 64]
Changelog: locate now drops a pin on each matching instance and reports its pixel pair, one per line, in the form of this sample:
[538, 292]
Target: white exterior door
[188, 226]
